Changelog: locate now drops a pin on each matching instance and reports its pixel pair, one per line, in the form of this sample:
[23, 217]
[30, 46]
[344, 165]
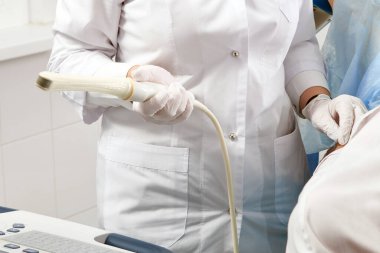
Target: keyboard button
[18, 225]
[2, 233]
[30, 251]
[3, 251]
[11, 246]
[13, 230]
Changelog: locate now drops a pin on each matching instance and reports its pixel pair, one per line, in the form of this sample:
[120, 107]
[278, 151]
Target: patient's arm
[334, 148]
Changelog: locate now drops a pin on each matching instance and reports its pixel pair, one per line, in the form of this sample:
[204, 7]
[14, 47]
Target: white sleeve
[304, 67]
[85, 43]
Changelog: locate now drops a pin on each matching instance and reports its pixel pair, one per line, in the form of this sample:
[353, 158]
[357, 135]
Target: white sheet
[339, 208]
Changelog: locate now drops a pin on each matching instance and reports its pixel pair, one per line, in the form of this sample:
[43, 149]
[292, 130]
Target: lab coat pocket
[281, 34]
[145, 191]
[291, 173]
[288, 10]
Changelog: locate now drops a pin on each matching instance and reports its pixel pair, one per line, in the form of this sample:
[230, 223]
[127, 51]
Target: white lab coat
[166, 184]
[338, 210]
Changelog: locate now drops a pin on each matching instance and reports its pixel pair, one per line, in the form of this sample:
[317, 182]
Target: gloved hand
[169, 106]
[335, 117]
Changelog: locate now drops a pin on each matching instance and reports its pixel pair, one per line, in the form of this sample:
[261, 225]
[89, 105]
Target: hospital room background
[47, 155]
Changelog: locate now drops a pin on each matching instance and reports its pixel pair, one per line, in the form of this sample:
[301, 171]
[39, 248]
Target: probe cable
[227, 164]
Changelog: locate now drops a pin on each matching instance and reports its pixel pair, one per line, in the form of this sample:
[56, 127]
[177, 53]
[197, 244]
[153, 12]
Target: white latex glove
[335, 117]
[169, 106]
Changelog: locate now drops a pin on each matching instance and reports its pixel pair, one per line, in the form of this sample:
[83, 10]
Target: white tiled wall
[25, 110]
[60, 107]
[29, 174]
[20, 12]
[13, 13]
[88, 217]
[47, 155]
[41, 11]
[2, 186]
[75, 161]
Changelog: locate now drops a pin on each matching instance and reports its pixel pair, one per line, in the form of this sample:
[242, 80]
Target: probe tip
[43, 82]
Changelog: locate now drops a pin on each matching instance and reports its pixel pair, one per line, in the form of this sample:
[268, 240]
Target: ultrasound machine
[27, 232]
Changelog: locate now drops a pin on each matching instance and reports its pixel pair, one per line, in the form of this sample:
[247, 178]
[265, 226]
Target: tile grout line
[53, 158]
[40, 133]
[3, 175]
[2, 165]
[79, 212]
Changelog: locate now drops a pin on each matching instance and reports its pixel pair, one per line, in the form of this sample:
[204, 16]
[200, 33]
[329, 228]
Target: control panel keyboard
[35, 236]
[40, 242]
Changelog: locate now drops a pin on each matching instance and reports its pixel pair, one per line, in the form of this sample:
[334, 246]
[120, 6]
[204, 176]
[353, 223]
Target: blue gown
[352, 50]
[352, 56]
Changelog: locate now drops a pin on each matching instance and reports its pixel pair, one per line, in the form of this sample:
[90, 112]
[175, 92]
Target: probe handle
[123, 88]
[145, 90]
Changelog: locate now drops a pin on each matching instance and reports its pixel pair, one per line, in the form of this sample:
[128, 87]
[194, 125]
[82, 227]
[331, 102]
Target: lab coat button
[235, 53]
[233, 136]
[18, 225]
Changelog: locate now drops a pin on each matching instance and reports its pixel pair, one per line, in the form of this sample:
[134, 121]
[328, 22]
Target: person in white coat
[250, 62]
